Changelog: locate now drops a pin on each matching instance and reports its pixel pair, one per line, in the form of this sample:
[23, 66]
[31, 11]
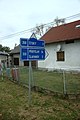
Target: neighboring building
[15, 58]
[63, 46]
[4, 59]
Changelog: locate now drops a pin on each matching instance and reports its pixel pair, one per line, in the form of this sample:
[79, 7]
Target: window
[26, 63]
[69, 41]
[60, 56]
[33, 63]
[16, 61]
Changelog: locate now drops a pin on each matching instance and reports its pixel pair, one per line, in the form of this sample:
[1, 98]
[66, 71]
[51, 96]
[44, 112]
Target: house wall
[72, 56]
[3, 58]
[18, 56]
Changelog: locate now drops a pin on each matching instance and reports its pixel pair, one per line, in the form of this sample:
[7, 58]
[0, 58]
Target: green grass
[52, 80]
[14, 105]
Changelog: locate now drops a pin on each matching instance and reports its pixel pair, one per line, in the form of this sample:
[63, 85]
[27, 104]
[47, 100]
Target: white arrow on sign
[46, 54]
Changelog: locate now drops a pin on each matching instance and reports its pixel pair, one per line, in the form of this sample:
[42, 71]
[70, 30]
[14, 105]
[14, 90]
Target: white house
[4, 58]
[63, 46]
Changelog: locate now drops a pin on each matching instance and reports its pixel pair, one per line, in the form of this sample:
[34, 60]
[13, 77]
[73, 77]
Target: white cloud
[18, 15]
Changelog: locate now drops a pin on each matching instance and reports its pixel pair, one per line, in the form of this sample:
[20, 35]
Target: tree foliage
[41, 29]
[4, 48]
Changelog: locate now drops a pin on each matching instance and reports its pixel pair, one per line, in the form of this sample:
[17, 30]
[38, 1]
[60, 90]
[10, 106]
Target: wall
[3, 58]
[72, 56]
[18, 56]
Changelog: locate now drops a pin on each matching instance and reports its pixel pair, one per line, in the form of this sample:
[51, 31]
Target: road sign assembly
[32, 49]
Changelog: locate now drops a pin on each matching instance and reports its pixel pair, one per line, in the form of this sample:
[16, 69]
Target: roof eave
[62, 40]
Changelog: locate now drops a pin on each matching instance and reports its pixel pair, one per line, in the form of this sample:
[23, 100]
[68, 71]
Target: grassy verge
[53, 80]
[14, 105]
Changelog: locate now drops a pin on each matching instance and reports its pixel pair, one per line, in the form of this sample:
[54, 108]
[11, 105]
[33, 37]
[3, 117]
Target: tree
[0, 47]
[4, 48]
[40, 30]
[59, 21]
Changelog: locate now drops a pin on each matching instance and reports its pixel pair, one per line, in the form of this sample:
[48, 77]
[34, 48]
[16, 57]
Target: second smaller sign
[36, 54]
[32, 54]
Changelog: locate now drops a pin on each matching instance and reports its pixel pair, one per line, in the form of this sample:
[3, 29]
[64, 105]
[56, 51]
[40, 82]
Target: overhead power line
[31, 29]
[73, 16]
[15, 34]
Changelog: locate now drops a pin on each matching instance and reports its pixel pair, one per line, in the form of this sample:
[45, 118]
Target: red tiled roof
[63, 33]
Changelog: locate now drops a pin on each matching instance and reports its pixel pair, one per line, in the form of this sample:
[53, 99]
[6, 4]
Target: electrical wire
[32, 29]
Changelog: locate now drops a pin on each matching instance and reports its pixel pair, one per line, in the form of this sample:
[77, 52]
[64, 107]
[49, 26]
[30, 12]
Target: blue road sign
[32, 49]
[32, 54]
[36, 54]
[23, 54]
[23, 42]
[33, 42]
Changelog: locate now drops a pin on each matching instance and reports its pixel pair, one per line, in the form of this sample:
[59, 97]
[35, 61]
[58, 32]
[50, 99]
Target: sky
[20, 15]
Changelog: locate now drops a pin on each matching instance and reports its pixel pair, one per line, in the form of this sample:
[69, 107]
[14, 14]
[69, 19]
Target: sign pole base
[29, 83]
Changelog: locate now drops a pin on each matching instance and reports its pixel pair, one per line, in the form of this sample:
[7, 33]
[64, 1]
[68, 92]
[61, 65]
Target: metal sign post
[31, 49]
[30, 67]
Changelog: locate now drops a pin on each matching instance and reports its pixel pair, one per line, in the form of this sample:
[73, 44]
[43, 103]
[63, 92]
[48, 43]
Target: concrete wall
[3, 58]
[72, 56]
[18, 56]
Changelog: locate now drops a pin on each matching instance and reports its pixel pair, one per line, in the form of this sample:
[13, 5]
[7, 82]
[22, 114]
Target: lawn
[52, 80]
[14, 105]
